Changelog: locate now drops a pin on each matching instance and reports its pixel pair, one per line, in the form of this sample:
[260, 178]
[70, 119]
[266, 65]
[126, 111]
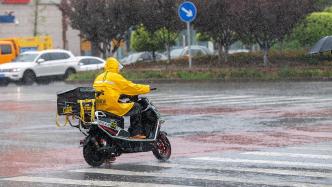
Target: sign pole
[189, 44]
[187, 13]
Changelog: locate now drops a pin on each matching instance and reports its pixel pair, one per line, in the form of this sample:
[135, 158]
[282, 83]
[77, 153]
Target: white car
[142, 57]
[90, 63]
[29, 67]
[235, 51]
[196, 50]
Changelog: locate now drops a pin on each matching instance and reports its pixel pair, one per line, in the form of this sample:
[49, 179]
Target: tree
[316, 26]
[36, 17]
[142, 40]
[104, 22]
[268, 21]
[321, 4]
[161, 15]
[64, 7]
[215, 19]
[202, 37]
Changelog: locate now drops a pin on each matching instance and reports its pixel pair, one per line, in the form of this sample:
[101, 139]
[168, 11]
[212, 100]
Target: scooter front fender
[89, 139]
[163, 133]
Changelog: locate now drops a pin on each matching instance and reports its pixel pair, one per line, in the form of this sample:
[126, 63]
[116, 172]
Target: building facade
[36, 16]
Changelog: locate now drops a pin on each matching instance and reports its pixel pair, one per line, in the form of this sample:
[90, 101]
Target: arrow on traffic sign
[188, 12]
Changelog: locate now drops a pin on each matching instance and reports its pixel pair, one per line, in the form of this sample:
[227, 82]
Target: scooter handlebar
[99, 93]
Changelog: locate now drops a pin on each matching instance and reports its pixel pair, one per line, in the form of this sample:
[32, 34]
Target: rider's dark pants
[135, 114]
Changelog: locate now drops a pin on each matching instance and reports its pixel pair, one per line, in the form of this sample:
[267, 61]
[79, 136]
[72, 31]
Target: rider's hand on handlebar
[99, 93]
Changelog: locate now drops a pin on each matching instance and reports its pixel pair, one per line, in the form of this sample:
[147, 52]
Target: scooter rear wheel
[91, 155]
[162, 150]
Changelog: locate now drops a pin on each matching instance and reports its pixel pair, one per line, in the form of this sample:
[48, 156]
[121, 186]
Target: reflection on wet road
[223, 134]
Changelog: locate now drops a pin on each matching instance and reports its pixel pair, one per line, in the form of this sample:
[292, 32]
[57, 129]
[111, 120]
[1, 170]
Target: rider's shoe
[139, 136]
[112, 159]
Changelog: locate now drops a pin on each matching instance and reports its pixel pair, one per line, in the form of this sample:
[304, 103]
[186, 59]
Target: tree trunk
[154, 56]
[266, 56]
[226, 53]
[116, 46]
[64, 31]
[36, 17]
[220, 53]
[168, 47]
[95, 49]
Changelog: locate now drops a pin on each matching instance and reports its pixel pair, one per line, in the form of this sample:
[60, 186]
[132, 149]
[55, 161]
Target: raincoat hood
[112, 65]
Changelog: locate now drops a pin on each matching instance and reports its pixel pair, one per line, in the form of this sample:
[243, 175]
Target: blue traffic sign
[187, 11]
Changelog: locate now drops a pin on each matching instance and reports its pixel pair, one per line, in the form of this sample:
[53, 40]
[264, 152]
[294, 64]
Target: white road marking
[197, 100]
[229, 99]
[263, 101]
[270, 162]
[310, 149]
[202, 97]
[191, 176]
[44, 180]
[240, 100]
[251, 170]
[281, 154]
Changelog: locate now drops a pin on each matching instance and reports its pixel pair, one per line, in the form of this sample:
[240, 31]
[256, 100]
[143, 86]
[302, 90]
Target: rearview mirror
[40, 60]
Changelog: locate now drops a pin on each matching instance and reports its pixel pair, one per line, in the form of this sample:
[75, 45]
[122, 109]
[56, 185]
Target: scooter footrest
[124, 133]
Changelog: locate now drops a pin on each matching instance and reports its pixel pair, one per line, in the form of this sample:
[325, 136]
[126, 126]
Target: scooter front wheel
[162, 148]
[91, 155]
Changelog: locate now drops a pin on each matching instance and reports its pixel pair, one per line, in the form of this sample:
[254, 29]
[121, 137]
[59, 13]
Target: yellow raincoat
[113, 85]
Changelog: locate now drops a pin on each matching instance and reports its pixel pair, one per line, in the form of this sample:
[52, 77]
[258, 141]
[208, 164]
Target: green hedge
[284, 65]
[282, 73]
[253, 59]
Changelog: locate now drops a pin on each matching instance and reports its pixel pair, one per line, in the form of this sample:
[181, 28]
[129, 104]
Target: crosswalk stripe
[209, 100]
[250, 170]
[185, 97]
[167, 97]
[230, 100]
[248, 102]
[310, 149]
[280, 154]
[84, 182]
[240, 100]
[195, 100]
[267, 100]
[180, 97]
[191, 176]
[271, 162]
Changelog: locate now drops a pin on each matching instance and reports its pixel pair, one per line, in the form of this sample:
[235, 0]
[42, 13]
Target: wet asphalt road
[223, 134]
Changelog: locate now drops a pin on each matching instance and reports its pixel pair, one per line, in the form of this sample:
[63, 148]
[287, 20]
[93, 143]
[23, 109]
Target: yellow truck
[10, 48]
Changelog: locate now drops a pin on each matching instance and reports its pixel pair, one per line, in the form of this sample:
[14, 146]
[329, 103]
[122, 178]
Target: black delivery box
[67, 101]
